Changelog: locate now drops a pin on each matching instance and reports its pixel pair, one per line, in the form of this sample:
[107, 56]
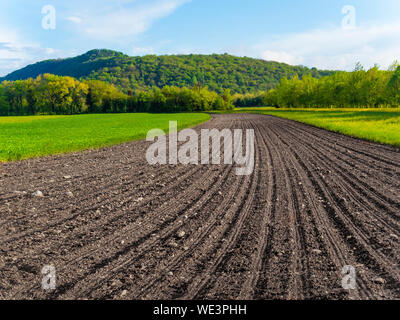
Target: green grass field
[378, 125]
[28, 137]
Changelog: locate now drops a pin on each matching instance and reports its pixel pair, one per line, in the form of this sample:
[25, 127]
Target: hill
[240, 74]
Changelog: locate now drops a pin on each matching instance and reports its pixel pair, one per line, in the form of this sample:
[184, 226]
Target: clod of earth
[181, 234]
[38, 193]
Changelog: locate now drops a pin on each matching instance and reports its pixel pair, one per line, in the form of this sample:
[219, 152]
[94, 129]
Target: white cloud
[126, 18]
[74, 19]
[280, 56]
[16, 52]
[99, 19]
[139, 51]
[50, 51]
[336, 48]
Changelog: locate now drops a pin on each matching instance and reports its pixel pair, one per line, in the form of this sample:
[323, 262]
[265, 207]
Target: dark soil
[317, 201]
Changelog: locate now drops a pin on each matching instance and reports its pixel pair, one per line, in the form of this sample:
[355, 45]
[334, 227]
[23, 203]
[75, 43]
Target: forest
[52, 94]
[217, 71]
[373, 88]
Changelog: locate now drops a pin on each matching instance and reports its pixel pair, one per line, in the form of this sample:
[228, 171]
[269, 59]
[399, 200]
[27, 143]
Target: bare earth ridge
[317, 201]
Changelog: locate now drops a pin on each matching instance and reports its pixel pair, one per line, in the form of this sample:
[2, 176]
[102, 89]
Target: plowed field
[316, 202]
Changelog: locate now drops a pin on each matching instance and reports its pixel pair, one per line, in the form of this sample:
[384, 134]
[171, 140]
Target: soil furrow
[338, 214]
[316, 202]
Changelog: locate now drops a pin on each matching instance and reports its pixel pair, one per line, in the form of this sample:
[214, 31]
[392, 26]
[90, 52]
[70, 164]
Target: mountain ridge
[216, 71]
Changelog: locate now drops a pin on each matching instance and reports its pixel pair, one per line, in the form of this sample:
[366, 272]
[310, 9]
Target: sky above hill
[327, 34]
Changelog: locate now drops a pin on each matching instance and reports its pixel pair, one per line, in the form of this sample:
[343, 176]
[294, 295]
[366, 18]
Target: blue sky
[307, 32]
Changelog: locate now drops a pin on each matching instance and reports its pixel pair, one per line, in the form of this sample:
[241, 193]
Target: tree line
[52, 94]
[373, 88]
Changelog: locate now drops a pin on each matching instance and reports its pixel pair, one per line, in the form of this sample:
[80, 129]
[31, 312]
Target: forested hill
[218, 72]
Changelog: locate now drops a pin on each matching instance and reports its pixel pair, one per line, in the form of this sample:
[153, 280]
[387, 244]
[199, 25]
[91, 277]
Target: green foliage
[51, 94]
[174, 99]
[217, 72]
[378, 125]
[393, 87]
[359, 89]
[249, 99]
[33, 136]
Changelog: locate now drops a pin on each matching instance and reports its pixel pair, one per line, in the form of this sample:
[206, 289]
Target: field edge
[110, 143]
